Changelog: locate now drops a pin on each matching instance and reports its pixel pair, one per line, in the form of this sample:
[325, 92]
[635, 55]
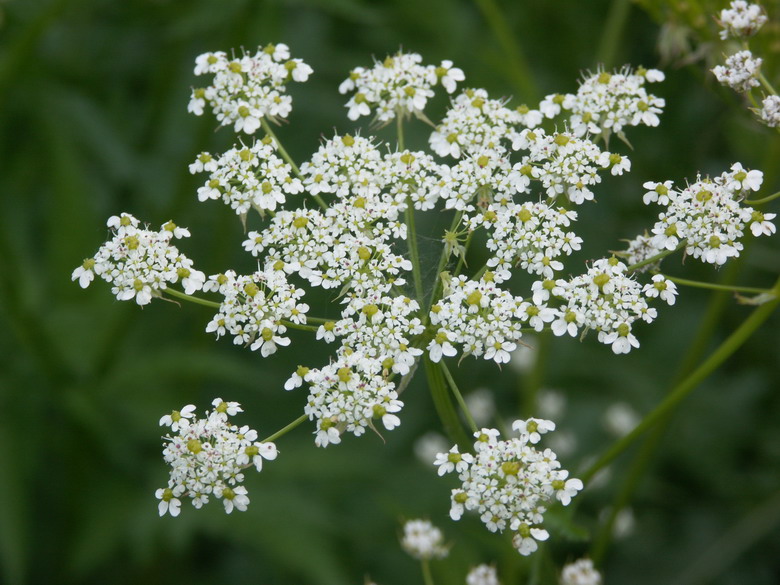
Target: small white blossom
[423, 540]
[740, 72]
[580, 572]
[741, 19]
[482, 575]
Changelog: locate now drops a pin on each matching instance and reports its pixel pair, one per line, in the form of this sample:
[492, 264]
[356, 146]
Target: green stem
[613, 30]
[764, 200]
[535, 378]
[291, 325]
[192, 299]
[267, 127]
[637, 469]
[518, 65]
[458, 396]
[728, 347]
[399, 125]
[286, 429]
[411, 235]
[723, 287]
[426, 571]
[443, 404]
[765, 82]
[639, 465]
[479, 273]
[656, 258]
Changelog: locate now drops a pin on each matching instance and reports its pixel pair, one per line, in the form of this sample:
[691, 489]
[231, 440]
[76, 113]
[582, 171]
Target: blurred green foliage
[93, 97]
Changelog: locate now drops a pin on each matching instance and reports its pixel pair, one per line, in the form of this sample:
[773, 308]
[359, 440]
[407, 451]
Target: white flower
[525, 541]
[297, 378]
[178, 418]
[661, 287]
[452, 461]
[482, 575]
[169, 500]
[233, 498]
[580, 572]
[740, 72]
[770, 111]
[566, 490]
[743, 180]
[533, 428]
[760, 223]
[621, 340]
[449, 75]
[423, 540]
[741, 19]
[84, 273]
[226, 408]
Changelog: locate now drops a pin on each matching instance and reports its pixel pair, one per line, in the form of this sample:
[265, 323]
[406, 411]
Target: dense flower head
[247, 177]
[348, 395]
[248, 88]
[208, 457]
[477, 316]
[423, 540]
[740, 72]
[741, 19]
[531, 235]
[608, 300]
[769, 113]
[564, 164]
[139, 263]
[606, 102]
[474, 122]
[482, 575]
[580, 572]
[708, 218]
[255, 307]
[509, 483]
[396, 86]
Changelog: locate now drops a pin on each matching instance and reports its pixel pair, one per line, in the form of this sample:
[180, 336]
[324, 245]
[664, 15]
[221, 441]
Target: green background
[93, 97]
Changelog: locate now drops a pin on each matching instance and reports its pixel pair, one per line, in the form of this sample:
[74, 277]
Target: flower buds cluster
[423, 540]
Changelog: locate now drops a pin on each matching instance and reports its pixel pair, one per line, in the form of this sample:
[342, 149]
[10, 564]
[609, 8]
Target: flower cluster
[707, 216]
[474, 123]
[740, 72]
[139, 263]
[397, 86]
[607, 300]
[530, 235]
[580, 572]
[249, 88]
[770, 111]
[208, 457]
[247, 178]
[741, 20]
[605, 103]
[482, 575]
[509, 482]
[423, 540]
[254, 308]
